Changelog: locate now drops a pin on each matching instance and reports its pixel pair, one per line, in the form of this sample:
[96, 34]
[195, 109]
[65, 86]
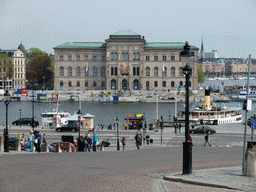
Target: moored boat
[209, 114]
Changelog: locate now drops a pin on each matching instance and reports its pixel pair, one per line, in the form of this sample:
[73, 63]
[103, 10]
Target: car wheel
[15, 124]
[193, 132]
[28, 124]
[59, 130]
[209, 132]
[73, 130]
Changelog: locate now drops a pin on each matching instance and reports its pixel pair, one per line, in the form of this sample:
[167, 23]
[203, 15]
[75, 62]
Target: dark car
[25, 121]
[67, 127]
[202, 129]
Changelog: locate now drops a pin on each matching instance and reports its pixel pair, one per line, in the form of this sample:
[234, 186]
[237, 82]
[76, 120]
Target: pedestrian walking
[190, 139]
[147, 139]
[89, 142]
[30, 139]
[179, 127]
[44, 139]
[38, 140]
[137, 141]
[207, 139]
[102, 126]
[95, 140]
[123, 141]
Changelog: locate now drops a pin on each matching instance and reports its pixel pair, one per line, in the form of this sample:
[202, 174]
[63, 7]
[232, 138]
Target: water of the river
[104, 112]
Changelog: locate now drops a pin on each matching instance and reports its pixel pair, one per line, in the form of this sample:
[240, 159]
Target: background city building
[19, 63]
[124, 61]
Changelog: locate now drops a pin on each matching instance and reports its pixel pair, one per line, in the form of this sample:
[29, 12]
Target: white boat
[242, 95]
[209, 114]
[54, 119]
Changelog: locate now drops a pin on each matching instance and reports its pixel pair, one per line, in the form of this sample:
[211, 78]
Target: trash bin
[151, 141]
[147, 141]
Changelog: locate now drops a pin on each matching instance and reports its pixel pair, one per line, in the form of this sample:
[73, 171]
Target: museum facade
[125, 61]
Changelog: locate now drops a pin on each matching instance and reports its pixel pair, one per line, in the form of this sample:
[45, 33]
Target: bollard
[1, 143]
[17, 145]
[251, 160]
[58, 150]
[69, 147]
[46, 149]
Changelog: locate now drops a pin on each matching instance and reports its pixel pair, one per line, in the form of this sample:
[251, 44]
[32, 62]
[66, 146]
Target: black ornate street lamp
[117, 133]
[187, 59]
[79, 141]
[6, 132]
[20, 113]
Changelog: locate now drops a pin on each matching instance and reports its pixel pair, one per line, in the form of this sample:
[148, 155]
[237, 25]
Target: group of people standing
[89, 142]
[35, 139]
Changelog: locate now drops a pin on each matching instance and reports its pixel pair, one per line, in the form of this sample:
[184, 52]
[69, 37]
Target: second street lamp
[6, 132]
[187, 59]
[117, 133]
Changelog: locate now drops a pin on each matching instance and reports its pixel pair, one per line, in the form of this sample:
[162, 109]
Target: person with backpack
[207, 139]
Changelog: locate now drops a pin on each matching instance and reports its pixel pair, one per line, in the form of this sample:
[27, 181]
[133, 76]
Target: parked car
[63, 146]
[67, 127]
[202, 129]
[25, 121]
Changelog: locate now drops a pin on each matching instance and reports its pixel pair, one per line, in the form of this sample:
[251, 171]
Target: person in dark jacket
[207, 139]
[137, 141]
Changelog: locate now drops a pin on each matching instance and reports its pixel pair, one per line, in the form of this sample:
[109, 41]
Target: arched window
[112, 71]
[164, 83]
[78, 71]
[116, 56]
[112, 56]
[134, 56]
[138, 56]
[156, 84]
[115, 71]
[181, 83]
[94, 71]
[78, 83]
[173, 72]
[138, 71]
[86, 71]
[103, 71]
[148, 71]
[94, 84]
[69, 71]
[113, 84]
[134, 71]
[86, 83]
[180, 71]
[70, 84]
[103, 84]
[165, 72]
[126, 56]
[61, 83]
[172, 84]
[123, 56]
[156, 71]
[147, 85]
[61, 71]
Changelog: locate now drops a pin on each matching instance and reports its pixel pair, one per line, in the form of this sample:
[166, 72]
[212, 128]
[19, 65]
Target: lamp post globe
[6, 132]
[187, 59]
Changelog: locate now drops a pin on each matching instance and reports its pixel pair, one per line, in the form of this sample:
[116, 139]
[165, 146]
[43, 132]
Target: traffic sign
[253, 124]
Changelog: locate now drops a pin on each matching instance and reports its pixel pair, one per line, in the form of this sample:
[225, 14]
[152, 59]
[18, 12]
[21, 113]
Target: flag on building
[87, 66]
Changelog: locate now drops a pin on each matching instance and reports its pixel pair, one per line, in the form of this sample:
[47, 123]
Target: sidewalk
[228, 177]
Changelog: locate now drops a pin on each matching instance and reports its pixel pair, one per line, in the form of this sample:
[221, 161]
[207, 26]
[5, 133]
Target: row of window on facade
[18, 75]
[19, 69]
[86, 71]
[114, 71]
[18, 62]
[94, 84]
[114, 57]
[113, 84]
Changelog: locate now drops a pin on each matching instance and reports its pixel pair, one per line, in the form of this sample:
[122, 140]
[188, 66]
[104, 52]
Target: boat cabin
[135, 122]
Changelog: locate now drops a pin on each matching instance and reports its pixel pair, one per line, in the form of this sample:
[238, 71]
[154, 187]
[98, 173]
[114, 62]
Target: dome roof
[21, 47]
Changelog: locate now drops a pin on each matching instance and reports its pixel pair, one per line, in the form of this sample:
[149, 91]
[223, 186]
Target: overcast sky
[228, 26]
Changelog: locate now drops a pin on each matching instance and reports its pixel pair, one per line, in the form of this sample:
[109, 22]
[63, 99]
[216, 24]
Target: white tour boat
[54, 119]
[243, 93]
[209, 114]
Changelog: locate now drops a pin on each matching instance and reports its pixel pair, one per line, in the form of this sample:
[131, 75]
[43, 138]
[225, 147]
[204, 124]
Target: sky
[228, 26]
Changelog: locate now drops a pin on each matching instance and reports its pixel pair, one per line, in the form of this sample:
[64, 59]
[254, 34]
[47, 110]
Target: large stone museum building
[124, 61]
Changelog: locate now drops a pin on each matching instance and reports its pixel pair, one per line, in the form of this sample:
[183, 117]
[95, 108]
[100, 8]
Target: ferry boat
[242, 95]
[214, 115]
[54, 119]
